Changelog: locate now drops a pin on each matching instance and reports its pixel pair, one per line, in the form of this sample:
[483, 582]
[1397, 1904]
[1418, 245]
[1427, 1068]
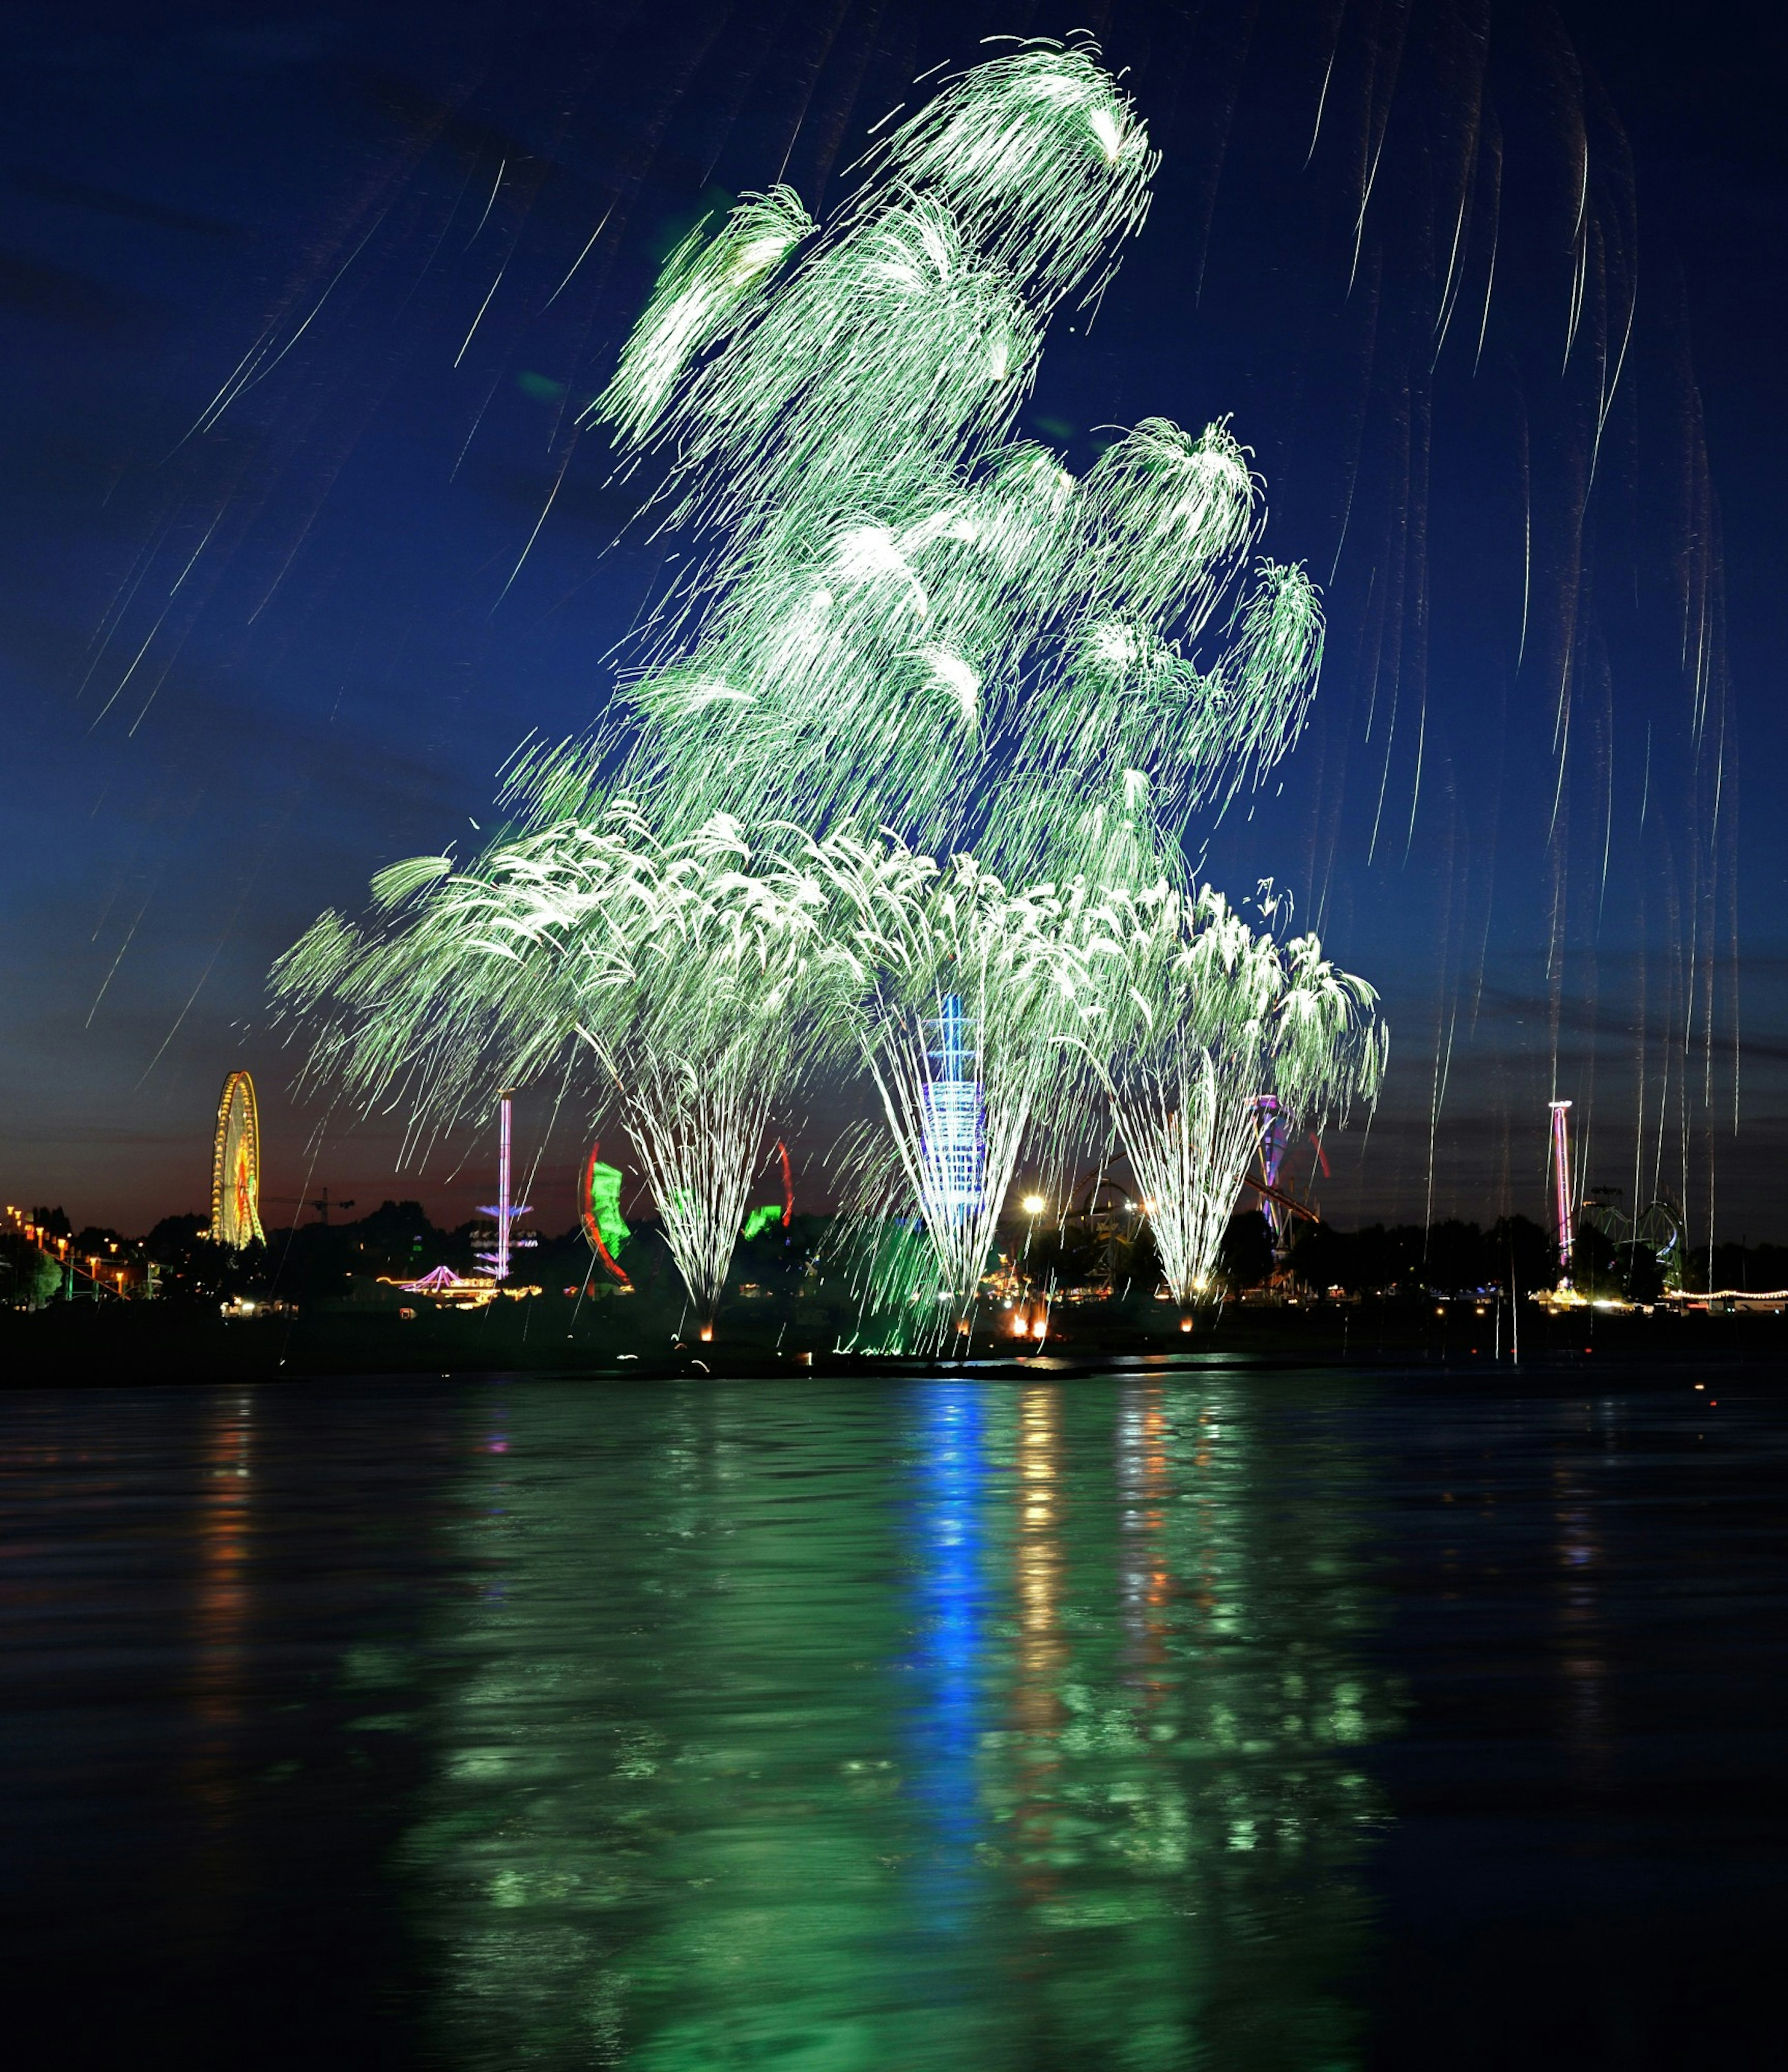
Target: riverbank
[81, 1343]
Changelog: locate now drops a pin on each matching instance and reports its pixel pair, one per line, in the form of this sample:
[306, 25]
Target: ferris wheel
[236, 1166]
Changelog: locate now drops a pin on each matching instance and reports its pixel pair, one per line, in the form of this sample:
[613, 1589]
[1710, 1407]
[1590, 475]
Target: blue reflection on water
[950, 1590]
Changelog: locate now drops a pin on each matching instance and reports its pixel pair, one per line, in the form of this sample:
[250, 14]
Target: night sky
[294, 363]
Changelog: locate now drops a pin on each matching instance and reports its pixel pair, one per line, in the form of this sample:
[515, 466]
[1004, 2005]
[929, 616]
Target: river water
[1190, 1718]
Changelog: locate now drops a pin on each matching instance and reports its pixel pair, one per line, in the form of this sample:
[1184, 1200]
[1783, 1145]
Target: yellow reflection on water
[1037, 1709]
[206, 1885]
[224, 1519]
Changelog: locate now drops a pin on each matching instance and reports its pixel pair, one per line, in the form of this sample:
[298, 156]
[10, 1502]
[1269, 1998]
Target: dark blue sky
[259, 636]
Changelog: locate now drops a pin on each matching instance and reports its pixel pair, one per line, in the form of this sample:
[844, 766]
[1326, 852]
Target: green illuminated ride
[599, 1209]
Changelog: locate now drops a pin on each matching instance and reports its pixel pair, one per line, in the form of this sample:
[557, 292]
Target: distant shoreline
[136, 1344]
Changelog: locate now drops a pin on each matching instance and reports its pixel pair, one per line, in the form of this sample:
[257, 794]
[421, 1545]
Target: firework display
[1215, 1017]
[907, 766]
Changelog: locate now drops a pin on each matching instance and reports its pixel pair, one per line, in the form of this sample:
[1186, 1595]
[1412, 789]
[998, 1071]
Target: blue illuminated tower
[955, 1136]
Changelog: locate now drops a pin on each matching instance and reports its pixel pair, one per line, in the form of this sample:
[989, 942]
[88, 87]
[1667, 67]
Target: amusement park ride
[236, 1166]
[1278, 1204]
[1657, 1228]
[1561, 1192]
[501, 1239]
[599, 1211]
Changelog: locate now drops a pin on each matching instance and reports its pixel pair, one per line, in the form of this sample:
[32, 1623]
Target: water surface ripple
[1167, 1719]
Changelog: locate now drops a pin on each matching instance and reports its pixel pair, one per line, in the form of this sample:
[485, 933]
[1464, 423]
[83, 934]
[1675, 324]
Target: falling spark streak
[1580, 282]
[477, 419]
[113, 615]
[1645, 789]
[1415, 788]
[546, 513]
[1359, 221]
[1449, 293]
[1614, 382]
[482, 307]
[135, 660]
[210, 965]
[155, 688]
[118, 960]
[1443, 1071]
[1322, 98]
[241, 381]
[1490, 283]
[173, 591]
[1527, 553]
[496, 188]
[578, 262]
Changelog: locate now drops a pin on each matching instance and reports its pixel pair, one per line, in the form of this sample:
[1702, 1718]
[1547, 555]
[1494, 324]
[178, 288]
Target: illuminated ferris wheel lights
[236, 1166]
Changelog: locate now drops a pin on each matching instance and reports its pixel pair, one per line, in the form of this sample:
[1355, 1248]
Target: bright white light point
[957, 678]
[717, 693]
[1114, 644]
[1033, 1205]
[865, 552]
[757, 255]
[1103, 126]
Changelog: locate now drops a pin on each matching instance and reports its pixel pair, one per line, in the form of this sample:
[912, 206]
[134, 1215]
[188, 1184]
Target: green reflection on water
[956, 1725]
